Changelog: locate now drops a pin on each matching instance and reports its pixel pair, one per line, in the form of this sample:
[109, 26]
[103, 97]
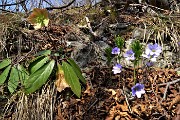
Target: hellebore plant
[39, 18]
[137, 90]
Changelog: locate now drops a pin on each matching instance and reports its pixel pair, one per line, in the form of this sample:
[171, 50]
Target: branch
[167, 86]
[51, 8]
[13, 3]
[90, 28]
[6, 10]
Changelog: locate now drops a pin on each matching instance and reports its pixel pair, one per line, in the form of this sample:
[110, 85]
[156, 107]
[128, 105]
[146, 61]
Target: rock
[91, 52]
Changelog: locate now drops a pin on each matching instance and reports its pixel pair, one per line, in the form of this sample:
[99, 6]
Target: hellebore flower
[117, 68]
[137, 90]
[153, 49]
[115, 50]
[129, 55]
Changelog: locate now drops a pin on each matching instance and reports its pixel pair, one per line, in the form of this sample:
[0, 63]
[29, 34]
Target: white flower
[117, 68]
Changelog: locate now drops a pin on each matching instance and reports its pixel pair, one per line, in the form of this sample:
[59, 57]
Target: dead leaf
[59, 114]
[176, 100]
[60, 83]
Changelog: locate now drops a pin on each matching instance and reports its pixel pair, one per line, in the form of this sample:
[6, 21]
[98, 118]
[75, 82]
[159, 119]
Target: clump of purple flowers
[152, 51]
[115, 50]
[117, 68]
[138, 90]
[129, 55]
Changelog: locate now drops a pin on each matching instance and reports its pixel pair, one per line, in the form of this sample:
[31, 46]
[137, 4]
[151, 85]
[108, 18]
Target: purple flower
[149, 64]
[179, 43]
[153, 49]
[115, 50]
[137, 90]
[117, 68]
[151, 57]
[129, 55]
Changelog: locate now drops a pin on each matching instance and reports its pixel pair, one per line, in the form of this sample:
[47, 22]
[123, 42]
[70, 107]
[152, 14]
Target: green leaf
[4, 75]
[5, 63]
[13, 80]
[23, 74]
[44, 52]
[38, 78]
[77, 70]
[38, 63]
[71, 78]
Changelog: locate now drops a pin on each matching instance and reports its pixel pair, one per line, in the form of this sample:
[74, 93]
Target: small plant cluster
[39, 70]
[134, 55]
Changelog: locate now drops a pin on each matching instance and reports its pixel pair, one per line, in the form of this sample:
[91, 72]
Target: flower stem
[134, 74]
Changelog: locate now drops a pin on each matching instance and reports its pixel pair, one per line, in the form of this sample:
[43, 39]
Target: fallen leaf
[176, 100]
[60, 83]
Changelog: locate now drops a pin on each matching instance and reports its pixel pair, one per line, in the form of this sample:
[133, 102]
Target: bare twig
[167, 86]
[51, 8]
[13, 3]
[127, 101]
[151, 6]
[90, 28]
[172, 82]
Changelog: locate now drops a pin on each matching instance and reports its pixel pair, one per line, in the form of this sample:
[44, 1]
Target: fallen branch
[167, 86]
[90, 28]
[70, 3]
[13, 3]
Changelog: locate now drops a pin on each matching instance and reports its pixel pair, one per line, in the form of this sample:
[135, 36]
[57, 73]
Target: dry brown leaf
[59, 114]
[60, 83]
[177, 116]
[176, 100]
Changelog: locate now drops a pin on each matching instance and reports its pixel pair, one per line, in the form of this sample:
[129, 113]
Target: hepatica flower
[152, 51]
[149, 64]
[117, 68]
[129, 55]
[115, 50]
[137, 90]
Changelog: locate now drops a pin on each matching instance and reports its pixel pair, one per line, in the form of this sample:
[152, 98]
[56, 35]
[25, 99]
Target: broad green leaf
[71, 78]
[35, 65]
[23, 74]
[5, 63]
[4, 75]
[38, 78]
[77, 70]
[44, 52]
[13, 80]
